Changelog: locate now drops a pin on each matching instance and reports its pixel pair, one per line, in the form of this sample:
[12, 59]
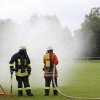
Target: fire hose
[65, 95]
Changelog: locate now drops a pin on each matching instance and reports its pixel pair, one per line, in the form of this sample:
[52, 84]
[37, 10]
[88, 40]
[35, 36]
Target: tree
[90, 33]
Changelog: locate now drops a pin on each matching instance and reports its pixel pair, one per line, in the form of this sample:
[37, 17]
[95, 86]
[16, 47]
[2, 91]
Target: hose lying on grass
[67, 96]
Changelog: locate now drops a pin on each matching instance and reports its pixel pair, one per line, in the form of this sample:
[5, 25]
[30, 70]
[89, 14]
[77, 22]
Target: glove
[29, 72]
[12, 70]
[43, 69]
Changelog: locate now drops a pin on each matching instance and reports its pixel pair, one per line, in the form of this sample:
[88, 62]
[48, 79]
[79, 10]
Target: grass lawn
[86, 80]
[38, 95]
[85, 83]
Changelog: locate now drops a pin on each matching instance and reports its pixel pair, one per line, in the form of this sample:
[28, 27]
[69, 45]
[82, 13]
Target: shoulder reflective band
[19, 63]
[47, 60]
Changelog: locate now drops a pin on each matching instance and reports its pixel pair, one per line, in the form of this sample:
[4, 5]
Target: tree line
[89, 34]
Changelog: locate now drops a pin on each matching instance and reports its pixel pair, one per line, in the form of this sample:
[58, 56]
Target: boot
[29, 93]
[20, 92]
[55, 92]
[47, 92]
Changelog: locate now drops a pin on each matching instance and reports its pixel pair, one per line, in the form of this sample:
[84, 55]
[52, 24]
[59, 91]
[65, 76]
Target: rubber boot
[20, 92]
[29, 93]
[47, 92]
[55, 92]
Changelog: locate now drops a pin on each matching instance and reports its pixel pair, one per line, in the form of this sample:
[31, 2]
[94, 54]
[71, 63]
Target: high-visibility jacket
[49, 60]
[21, 64]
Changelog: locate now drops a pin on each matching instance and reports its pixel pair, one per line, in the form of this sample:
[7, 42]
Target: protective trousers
[23, 80]
[47, 86]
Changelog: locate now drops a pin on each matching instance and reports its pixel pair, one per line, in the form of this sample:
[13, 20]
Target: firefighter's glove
[12, 70]
[29, 72]
[43, 69]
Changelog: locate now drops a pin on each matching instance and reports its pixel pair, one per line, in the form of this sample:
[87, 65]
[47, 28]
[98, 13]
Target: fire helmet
[49, 48]
[23, 48]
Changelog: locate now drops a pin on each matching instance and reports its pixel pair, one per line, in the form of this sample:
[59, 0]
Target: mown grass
[38, 95]
[86, 80]
[85, 83]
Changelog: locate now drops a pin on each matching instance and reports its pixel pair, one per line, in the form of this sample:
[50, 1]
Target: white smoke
[37, 34]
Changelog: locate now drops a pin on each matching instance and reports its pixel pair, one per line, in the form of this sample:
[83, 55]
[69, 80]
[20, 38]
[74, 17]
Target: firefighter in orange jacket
[49, 60]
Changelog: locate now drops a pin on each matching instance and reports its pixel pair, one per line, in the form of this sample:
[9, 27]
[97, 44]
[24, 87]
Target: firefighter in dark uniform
[20, 63]
[49, 60]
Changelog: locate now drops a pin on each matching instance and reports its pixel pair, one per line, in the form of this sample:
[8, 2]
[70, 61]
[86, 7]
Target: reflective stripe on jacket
[48, 73]
[21, 74]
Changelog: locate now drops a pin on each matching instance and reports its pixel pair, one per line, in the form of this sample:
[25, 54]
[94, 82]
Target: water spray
[65, 95]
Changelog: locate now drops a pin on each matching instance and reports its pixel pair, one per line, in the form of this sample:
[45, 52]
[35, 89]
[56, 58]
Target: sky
[71, 13]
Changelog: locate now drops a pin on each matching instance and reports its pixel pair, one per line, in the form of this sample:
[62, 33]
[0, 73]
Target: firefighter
[20, 63]
[49, 60]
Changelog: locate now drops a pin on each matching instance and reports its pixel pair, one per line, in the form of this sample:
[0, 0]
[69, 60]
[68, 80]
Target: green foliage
[92, 21]
[85, 80]
[90, 33]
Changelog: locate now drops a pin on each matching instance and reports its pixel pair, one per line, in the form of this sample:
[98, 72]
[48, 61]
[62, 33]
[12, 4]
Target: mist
[37, 33]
